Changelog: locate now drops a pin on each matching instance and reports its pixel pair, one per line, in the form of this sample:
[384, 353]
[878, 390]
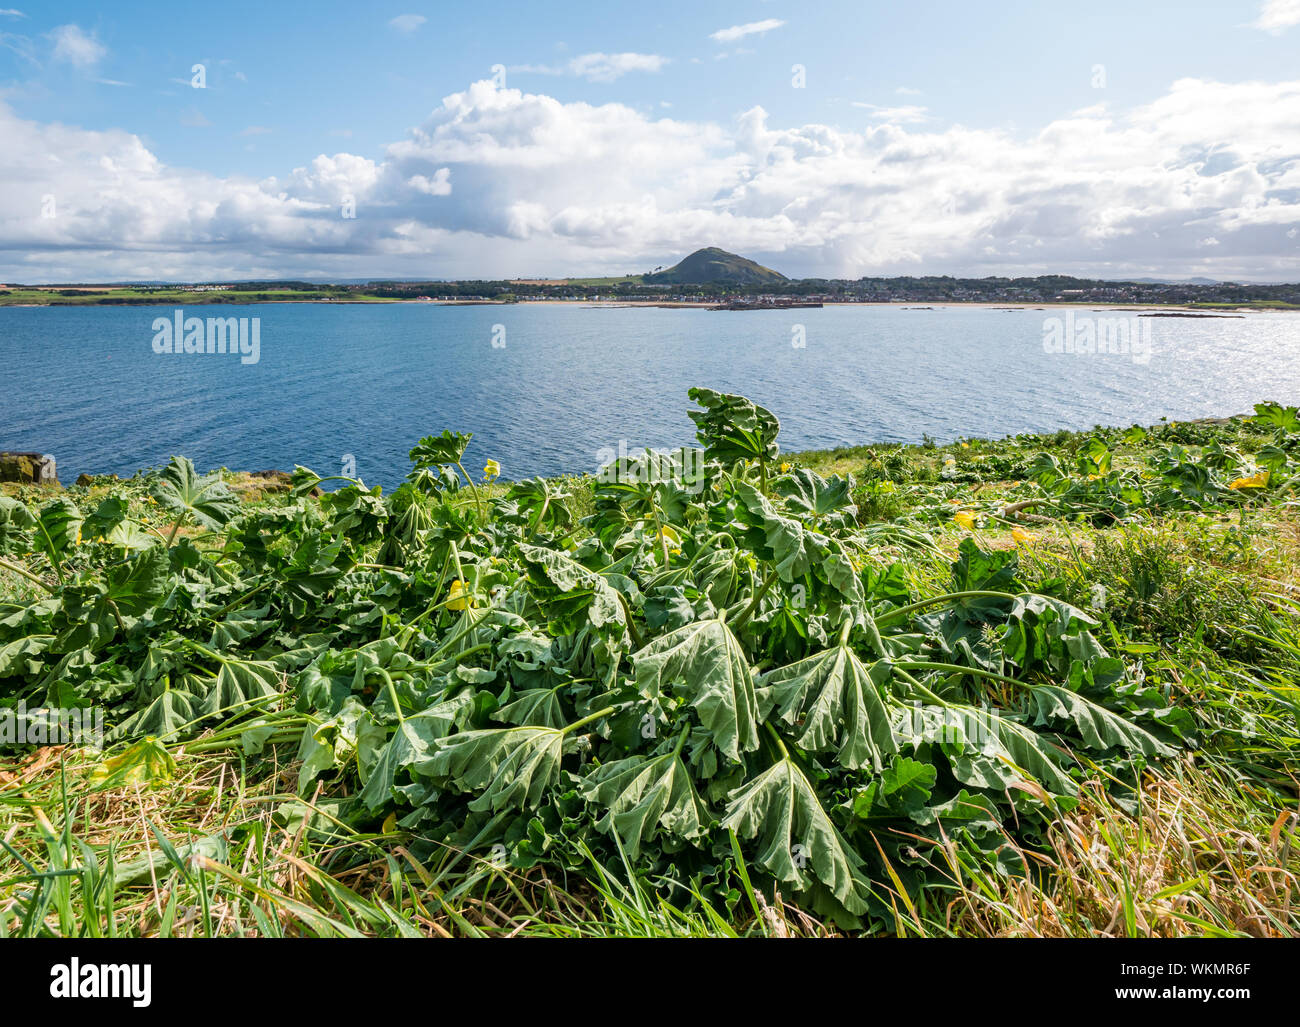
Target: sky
[831, 138]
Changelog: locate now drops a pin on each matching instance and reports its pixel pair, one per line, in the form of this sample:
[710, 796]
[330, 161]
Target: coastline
[916, 305]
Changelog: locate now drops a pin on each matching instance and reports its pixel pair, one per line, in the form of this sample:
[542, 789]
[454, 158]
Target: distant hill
[714, 265]
[1172, 281]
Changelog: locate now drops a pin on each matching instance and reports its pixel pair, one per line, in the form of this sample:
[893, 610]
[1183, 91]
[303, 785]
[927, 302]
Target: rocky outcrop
[29, 468]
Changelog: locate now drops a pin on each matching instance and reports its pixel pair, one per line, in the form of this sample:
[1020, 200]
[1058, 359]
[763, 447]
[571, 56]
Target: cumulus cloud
[74, 45]
[1276, 16]
[498, 178]
[753, 28]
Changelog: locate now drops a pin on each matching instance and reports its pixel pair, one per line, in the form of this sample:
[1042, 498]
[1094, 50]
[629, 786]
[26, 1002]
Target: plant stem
[587, 720]
[473, 488]
[392, 694]
[956, 668]
[176, 527]
[785, 753]
[541, 516]
[903, 611]
[659, 530]
[235, 602]
[748, 612]
[26, 574]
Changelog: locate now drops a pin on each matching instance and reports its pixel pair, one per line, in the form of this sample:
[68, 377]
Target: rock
[32, 468]
[86, 480]
[15, 467]
[277, 481]
[282, 477]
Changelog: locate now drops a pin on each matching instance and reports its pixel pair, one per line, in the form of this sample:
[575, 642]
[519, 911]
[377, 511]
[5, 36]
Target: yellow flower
[1255, 481]
[785, 466]
[78, 536]
[669, 534]
[965, 518]
[458, 598]
[491, 470]
[1023, 537]
[965, 445]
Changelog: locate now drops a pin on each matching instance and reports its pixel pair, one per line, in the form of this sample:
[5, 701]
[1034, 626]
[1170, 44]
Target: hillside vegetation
[1037, 686]
[710, 265]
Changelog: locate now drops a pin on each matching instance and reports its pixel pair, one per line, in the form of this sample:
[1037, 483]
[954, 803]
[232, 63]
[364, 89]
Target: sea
[559, 388]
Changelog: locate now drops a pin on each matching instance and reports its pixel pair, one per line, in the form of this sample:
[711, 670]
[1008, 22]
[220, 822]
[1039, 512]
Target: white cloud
[438, 185]
[21, 45]
[905, 115]
[256, 130]
[407, 22]
[596, 67]
[74, 45]
[1276, 16]
[9, 12]
[730, 35]
[499, 178]
[606, 67]
[908, 91]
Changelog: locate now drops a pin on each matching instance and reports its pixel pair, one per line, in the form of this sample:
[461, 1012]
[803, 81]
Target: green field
[116, 297]
[1039, 686]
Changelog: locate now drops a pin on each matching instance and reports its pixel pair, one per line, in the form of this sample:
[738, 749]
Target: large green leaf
[167, 716]
[707, 664]
[571, 588]
[984, 748]
[205, 498]
[795, 836]
[643, 795]
[408, 750]
[138, 582]
[437, 450]
[1099, 727]
[16, 524]
[834, 702]
[241, 684]
[510, 767]
[58, 529]
[539, 707]
[733, 428]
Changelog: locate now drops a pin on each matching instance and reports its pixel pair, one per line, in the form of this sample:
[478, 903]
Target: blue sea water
[568, 381]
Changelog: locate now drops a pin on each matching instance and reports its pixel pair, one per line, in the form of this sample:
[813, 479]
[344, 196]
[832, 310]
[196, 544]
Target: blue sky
[1157, 138]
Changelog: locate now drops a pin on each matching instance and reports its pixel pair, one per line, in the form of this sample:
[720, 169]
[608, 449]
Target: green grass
[56, 297]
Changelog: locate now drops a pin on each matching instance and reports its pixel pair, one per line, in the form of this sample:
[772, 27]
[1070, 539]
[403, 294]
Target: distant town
[710, 276]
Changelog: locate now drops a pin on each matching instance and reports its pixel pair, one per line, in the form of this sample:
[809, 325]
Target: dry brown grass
[1194, 860]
